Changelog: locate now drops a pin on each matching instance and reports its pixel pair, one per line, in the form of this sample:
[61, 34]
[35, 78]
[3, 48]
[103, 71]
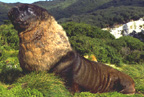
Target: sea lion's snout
[22, 16]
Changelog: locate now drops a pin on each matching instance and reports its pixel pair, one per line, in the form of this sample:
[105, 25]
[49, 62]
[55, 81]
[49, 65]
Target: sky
[22, 1]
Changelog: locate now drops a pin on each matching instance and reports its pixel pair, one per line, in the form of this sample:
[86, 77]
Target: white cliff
[125, 29]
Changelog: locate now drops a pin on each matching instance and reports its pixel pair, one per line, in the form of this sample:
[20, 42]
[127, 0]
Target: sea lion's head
[27, 16]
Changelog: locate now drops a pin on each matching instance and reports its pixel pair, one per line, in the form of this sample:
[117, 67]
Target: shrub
[131, 50]
[86, 46]
[74, 29]
[133, 43]
[135, 57]
[9, 76]
[9, 60]
[9, 36]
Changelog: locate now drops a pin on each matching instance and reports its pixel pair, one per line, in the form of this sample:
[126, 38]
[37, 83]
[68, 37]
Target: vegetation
[126, 52]
[101, 13]
[78, 29]
[86, 40]
[36, 85]
[3, 12]
[111, 94]
[136, 72]
[9, 44]
[131, 50]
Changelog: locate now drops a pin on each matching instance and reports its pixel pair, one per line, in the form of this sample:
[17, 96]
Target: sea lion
[42, 41]
[44, 45]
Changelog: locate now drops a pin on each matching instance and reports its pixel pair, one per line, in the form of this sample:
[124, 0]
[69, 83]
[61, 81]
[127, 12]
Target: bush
[77, 29]
[133, 43]
[86, 46]
[131, 50]
[9, 76]
[9, 59]
[135, 57]
[9, 36]
[87, 39]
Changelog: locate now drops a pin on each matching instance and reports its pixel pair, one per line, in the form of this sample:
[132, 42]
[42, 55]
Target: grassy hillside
[3, 12]
[4, 8]
[110, 13]
[127, 53]
[55, 4]
[77, 8]
[102, 13]
[86, 40]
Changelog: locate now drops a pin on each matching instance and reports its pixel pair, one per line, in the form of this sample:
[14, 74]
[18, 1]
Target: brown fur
[45, 46]
[84, 75]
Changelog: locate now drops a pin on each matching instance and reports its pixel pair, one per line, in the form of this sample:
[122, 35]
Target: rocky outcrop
[139, 35]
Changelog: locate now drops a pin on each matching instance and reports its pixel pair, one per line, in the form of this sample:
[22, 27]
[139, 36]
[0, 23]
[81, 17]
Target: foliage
[108, 17]
[137, 73]
[9, 36]
[48, 84]
[19, 92]
[61, 4]
[9, 76]
[34, 84]
[106, 13]
[101, 13]
[77, 29]
[9, 44]
[111, 94]
[130, 49]
[86, 45]
[9, 65]
[43, 84]
[8, 58]
[3, 12]
[85, 39]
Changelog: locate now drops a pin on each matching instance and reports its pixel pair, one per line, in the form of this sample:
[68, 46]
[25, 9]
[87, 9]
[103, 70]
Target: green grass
[19, 92]
[110, 94]
[35, 85]
[137, 73]
[43, 84]
[48, 84]
[14, 83]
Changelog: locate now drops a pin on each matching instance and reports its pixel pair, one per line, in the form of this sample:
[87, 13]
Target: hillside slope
[4, 8]
[110, 13]
[3, 11]
[102, 13]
